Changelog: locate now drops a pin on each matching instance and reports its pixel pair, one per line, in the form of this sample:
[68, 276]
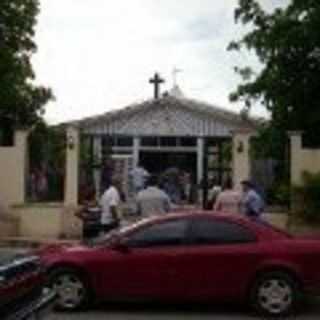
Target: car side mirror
[121, 245]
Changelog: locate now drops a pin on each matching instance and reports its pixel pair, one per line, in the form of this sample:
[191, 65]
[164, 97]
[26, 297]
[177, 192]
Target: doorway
[158, 162]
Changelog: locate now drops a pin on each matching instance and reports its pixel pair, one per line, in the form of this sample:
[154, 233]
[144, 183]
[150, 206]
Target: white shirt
[152, 201]
[228, 201]
[110, 198]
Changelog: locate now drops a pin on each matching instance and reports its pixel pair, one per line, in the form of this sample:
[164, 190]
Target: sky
[98, 55]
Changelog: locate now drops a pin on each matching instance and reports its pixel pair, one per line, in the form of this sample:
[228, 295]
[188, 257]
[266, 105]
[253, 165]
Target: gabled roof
[218, 113]
[167, 116]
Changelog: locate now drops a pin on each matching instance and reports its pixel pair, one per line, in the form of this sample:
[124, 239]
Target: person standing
[229, 200]
[252, 202]
[106, 175]
[139, 176]
[90, 214]
[152, 200]
[110, 201]
[213, 192]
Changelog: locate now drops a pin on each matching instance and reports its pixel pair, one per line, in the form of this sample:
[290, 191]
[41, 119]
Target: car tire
[275, 294]
[72, 289]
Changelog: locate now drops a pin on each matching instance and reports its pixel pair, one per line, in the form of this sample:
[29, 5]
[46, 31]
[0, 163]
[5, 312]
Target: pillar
[72, 166]
[21, 145]
[200, 171]
[200, 155]
[136, 151]
[295, 155]
[241, 156]
[97, 151]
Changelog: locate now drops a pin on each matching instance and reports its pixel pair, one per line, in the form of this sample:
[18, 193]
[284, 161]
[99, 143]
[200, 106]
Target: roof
[175, 109]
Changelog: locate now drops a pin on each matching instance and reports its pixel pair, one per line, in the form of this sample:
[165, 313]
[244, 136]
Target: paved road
[176, 313]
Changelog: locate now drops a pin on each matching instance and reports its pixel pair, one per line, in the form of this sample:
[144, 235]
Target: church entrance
[158, 162]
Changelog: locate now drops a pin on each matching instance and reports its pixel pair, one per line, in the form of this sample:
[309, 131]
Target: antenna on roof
[175, 72]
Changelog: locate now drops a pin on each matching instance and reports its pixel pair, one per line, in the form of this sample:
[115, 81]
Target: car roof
[202, 213]
[264, 229]
[190, 214]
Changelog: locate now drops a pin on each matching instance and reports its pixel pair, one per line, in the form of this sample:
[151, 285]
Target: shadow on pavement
[228, 311]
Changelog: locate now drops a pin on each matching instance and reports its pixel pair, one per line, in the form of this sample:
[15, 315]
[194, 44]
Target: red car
[189, 257]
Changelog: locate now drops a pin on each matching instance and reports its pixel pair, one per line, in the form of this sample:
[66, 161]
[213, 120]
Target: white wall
[12, 170]
[302, 159]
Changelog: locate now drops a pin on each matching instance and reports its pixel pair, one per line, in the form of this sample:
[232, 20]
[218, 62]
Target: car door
[151, 265]
[221, 258]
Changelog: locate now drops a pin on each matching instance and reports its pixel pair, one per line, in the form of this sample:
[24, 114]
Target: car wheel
[71, 289]
[275, 294]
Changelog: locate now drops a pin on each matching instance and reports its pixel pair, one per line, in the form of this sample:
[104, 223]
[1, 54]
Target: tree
[287, 44]
[21, 101]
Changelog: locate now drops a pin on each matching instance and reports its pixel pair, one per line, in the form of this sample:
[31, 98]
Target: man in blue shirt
[252, 202]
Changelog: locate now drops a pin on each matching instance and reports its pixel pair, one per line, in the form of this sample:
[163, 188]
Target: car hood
[59, 248]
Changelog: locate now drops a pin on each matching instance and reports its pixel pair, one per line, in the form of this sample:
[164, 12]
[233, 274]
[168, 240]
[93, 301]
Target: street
[227, 312]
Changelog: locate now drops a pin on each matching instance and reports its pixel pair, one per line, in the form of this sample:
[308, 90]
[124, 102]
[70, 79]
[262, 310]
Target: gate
[217, 164]
[93, 160]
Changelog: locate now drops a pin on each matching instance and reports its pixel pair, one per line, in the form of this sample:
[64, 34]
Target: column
[200, 155]
[200, 171]
[241, 156]
[97, 152]
[295, 155]
[72, 166]
[136, 151]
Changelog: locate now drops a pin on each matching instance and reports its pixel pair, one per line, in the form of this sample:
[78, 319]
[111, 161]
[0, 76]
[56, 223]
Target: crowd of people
[158, 195]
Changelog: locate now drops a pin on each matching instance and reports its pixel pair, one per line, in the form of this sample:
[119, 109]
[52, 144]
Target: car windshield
[107, 238]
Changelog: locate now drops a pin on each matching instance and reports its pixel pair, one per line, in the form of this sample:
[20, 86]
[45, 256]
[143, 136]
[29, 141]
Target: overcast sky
[97, 55]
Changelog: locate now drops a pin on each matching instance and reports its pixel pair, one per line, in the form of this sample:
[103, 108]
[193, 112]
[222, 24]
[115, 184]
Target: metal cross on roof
[156, 81]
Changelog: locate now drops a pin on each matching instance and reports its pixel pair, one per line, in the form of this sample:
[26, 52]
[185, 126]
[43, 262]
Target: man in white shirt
[139, 177]
[110, 202]
[229, 200]
[152, 200]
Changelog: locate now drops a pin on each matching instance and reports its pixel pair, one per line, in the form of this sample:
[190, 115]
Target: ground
[228, 312]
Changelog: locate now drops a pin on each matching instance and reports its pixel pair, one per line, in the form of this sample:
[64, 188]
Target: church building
[169, 130]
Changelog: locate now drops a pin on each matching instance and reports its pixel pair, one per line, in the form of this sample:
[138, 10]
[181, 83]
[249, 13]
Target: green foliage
[308, 196]
[267, 143]
[21, 100]
[280, 193]
[287, 44]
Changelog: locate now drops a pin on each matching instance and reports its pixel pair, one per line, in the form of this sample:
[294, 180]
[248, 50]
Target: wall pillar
[21, 145]
[72, 167]
[295, 155]
[241, 156]
[136, 151]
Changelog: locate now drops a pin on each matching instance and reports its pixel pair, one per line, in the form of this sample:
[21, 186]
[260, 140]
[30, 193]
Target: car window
[214, 231]
[169, 233]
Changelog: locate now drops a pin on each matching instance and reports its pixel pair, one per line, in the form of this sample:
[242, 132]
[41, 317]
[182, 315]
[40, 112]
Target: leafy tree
[22, 101]
[287, 44]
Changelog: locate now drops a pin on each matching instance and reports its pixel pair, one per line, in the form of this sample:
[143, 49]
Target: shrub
[306, 199]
